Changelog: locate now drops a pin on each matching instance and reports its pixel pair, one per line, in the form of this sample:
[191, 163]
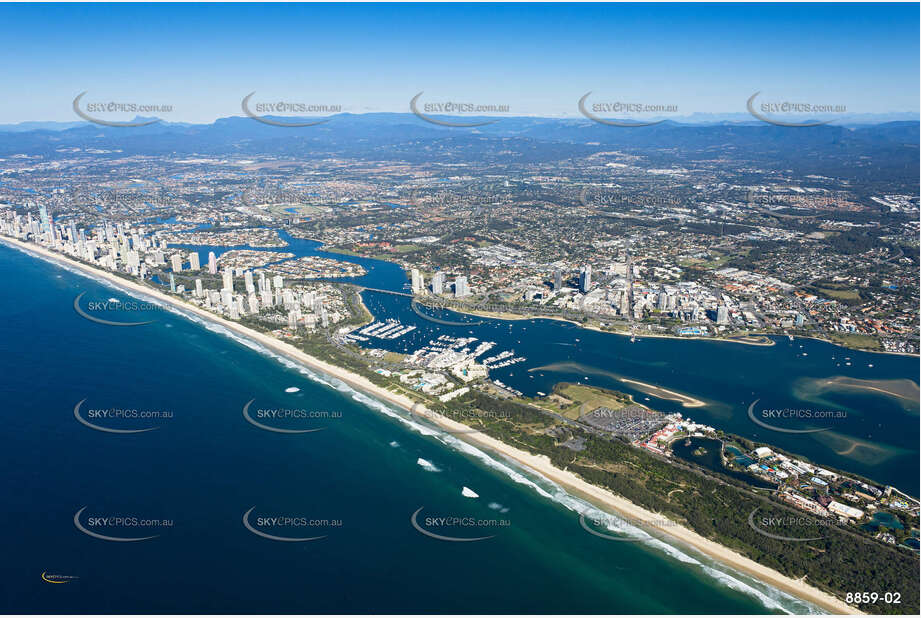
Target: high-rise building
[585, 278]
[199, 291]
[212, 263]
[176, 262]
[194, 263]
[228, 280]
[46, 221]
[557, 280]
[417, 281]
[722, 314]
[460, 287]
[248, 282]
[438, 283]
[662, 301]
[800, 319]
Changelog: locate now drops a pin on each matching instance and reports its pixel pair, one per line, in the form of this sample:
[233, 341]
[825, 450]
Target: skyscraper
[228, 280]
[46, 221]
[460, 287]
[722, 314]
[585, 278]
[212, 263]
[176, 262]
[417, 281]
[438, 283]
[557, 280]
[194, 263]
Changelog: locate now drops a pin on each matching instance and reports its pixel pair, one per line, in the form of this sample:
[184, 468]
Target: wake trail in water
[771, 598]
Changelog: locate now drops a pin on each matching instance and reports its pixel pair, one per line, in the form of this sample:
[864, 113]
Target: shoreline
[513, 317]
[538, 464]
[686, 401]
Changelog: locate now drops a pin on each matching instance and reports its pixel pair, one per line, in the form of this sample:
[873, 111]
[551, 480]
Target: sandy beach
[664, 393]
[539, 464]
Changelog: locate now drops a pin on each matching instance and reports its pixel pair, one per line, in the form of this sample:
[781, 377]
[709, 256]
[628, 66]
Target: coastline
[686, 401]
[539, 464]
[511, 317]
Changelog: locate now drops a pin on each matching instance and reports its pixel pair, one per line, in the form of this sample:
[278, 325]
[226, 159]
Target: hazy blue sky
[537, 59]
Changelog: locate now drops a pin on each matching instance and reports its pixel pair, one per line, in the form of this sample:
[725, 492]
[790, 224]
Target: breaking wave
[770, 597]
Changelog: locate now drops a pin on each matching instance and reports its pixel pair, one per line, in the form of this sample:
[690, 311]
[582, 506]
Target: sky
[537, 59]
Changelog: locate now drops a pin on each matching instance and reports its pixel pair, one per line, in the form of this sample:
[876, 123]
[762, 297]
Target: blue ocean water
[874, 436]
[358, 481]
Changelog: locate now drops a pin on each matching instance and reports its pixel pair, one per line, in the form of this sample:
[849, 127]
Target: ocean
[864, 430]
[208, 486]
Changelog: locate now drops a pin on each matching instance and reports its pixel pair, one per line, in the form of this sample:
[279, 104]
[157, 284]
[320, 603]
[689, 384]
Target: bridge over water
[364, 287]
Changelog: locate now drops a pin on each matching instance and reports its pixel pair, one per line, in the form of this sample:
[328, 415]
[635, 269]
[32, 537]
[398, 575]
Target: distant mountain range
[848, 120]
[886, 153]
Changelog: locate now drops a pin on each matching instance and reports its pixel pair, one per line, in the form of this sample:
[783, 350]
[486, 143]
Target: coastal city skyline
[327, 309]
